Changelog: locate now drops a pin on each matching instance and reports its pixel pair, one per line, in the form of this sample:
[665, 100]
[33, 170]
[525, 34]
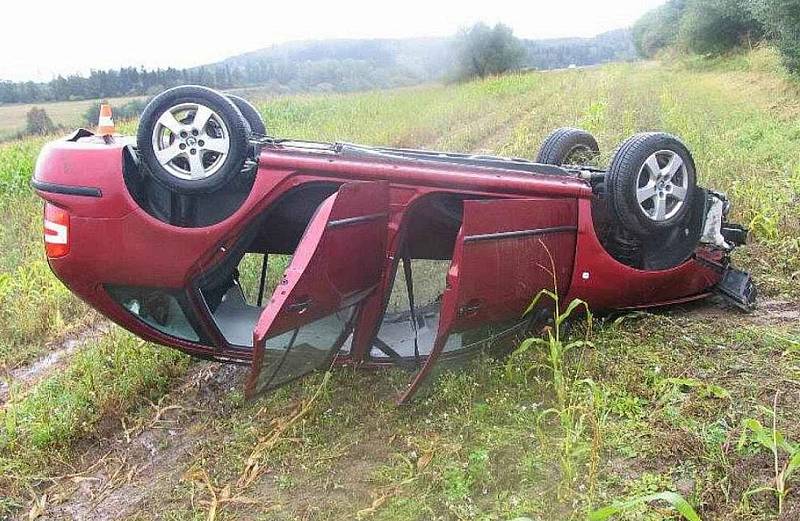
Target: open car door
[337, 263]
[504, 256]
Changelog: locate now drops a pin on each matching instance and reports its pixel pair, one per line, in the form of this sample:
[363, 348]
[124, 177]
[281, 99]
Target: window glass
[305, 349]
[463, 346]
[397, 330]
[250, 274]
[156, 308]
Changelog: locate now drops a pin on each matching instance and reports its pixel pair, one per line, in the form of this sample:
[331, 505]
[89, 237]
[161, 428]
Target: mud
[60, 351]
[143, 463]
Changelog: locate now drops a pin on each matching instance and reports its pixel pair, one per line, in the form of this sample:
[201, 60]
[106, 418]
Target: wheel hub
[662, 185]
[191, 141]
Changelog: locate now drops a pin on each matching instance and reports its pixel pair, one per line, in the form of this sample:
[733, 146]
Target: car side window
[156, 308]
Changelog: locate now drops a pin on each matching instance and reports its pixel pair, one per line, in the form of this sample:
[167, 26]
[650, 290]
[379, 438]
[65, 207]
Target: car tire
[651, 183]
[189, 158]
[568, 146]
[250, 114]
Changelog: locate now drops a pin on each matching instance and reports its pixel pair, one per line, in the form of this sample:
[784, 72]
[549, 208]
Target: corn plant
[785, 454]
[571, 416]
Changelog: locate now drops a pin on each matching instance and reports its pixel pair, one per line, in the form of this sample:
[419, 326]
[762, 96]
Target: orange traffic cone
[105, 126]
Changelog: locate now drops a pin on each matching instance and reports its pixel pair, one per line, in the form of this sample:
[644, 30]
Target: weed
[547, 434]
[104, 378]
[568, 410]
[676, 500]
[785, 453]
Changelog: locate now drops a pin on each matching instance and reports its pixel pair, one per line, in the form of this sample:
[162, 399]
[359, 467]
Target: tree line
[713, 27]
[335, 65]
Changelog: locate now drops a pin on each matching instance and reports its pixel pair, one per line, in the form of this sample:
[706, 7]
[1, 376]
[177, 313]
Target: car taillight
[56, 231]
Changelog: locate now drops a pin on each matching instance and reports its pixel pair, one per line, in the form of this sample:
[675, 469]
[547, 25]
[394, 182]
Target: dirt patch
[772, 311]
[141, 463]
[768, 312]
[59, 353]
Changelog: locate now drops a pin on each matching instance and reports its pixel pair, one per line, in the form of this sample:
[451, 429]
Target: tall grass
[34, 305]
[107, 377]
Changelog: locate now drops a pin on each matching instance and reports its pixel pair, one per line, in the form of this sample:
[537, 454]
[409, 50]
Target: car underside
[290, 256]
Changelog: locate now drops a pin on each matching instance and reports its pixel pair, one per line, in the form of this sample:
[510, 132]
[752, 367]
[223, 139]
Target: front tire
[651, 183]
[193, 139]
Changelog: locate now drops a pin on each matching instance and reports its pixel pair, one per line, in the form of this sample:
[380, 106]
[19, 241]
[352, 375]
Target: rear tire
[190, 156]
[250, 114]
[568, 146]
[651, 183]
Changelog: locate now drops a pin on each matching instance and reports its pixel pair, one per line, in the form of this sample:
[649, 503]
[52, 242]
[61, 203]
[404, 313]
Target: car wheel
[651, 183]
[193, 139]
[250, 114]
[568, 146]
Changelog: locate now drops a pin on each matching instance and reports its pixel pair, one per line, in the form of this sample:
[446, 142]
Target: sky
[43, 38]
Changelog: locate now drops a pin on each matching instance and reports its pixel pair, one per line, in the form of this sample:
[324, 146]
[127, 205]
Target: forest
[716, 27]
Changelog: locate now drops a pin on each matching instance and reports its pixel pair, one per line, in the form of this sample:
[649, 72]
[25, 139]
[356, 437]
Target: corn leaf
[676, 500]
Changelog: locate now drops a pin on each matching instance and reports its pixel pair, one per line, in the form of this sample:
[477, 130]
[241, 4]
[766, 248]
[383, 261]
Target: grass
[656, 406]
[105, 379]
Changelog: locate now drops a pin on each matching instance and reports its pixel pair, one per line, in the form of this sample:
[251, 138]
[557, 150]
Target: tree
[38, 122]
[781, 20]
[717, 26]
[483, 51]
[658, 28]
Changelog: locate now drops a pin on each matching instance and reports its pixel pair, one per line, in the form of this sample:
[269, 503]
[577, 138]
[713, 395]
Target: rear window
[163, 310]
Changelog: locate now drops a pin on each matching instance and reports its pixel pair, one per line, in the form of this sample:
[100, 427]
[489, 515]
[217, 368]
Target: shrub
[484, 50]
[781, 21]
[38, 122]
[656, 30]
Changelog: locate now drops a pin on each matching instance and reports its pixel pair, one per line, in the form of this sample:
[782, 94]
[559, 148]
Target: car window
[396, 330]
[156, 308]
[294, 353]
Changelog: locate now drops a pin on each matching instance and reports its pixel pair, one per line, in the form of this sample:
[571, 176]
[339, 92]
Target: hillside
[95, 424]
[408, 61]
[318, 65]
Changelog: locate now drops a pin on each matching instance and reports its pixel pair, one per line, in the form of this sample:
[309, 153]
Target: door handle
[300, 306]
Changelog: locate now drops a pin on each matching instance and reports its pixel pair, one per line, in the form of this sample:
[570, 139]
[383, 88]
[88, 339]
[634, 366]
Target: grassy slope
[667, 395]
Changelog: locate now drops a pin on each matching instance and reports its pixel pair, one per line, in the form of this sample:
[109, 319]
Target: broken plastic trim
[737, 287]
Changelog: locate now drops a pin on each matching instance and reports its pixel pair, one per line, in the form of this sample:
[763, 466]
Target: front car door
[336, 265]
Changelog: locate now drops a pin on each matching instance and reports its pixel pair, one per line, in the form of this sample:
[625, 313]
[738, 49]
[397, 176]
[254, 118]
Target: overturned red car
[207, 234]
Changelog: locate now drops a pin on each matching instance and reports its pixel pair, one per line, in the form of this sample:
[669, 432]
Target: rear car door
[336, 265]
[504, 256]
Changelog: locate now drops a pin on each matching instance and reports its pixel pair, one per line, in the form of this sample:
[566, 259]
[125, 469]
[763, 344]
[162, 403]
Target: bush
[717, 26]
[130, 110]
[483, 51]
[781, 20]
[38, 122]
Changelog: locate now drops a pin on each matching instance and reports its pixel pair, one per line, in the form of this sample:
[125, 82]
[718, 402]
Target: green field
[698, 400]
[67, 114]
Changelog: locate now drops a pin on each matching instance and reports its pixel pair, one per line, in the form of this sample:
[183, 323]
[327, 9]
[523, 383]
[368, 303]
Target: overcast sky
[41, 39]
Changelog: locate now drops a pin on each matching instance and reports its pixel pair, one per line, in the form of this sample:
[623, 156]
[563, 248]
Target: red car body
[514, 226]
